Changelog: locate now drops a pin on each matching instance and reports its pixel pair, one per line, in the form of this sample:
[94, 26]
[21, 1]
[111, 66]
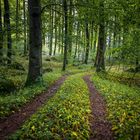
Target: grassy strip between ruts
[123, 104]
[65, 116]
[11, 103]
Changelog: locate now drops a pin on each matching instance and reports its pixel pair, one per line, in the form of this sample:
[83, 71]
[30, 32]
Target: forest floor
[76, 104]
[100, 127]
[14, 121]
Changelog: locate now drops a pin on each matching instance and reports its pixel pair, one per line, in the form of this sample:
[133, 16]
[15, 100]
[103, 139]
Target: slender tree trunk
[8, 29]
[59, 28]
[95, 38]
[91, 38]
[70, 28]
[17, 12]
[1, 34]
[87, 43]
[76, 48]
[66, 33]
[51, 33]
[114, 34]
[55, 44]
[35, 42]
[109, 45]
[24, 23]
[62, 36]
[100, 64]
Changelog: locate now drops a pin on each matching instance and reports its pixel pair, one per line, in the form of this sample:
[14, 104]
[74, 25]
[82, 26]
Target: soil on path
[13, 122]
[100, 127]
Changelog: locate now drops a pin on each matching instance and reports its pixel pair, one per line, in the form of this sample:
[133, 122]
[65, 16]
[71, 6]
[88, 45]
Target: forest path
[100, 127]
[13, 122]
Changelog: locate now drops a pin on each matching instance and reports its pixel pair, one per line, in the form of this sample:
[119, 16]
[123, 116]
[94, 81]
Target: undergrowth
[65, 116]
[13, 101]
[123, 103]
[131, 79]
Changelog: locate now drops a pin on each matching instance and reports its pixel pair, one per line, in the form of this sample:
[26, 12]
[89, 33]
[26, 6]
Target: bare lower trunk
[8, 29]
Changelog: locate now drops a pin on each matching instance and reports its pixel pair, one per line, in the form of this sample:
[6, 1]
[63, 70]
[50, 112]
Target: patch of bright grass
[11, 102]
[64, 116]
[123, 103]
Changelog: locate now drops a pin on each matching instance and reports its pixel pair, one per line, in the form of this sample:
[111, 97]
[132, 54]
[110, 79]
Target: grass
[123, 103]
[64, 116]
[13, 101]
[123, 76]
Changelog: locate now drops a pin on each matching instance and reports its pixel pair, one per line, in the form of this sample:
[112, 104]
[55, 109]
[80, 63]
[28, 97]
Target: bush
[17, 66]
[6, 85]
[47, 70]
[53, 58]
[48, 59]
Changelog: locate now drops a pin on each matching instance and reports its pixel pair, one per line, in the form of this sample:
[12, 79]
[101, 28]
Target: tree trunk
[109, 45]
[87, 43]
[92, 33]
[76, 44]
[66, 34]
[70, 28]
[24, 24]
[1, 35]
[62, 36]
[8, 29]
[55, 45]
[51, 33]
[17, 11]
[35, 42]
[100, 64]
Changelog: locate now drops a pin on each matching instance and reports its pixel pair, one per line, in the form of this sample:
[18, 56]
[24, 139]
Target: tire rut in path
[100, 127]
[14, 121]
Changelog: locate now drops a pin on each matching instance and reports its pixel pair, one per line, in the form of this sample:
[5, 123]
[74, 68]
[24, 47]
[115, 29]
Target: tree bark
[8, 29]
[24, 23]
[66, 33]
[1, 35]
[70, 28]
[51, 33]
[55, 45]
[87, 43]
[35, 42]
[17, 12]
[100, 64]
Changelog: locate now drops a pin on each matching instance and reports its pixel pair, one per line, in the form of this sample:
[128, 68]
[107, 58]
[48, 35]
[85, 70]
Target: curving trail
[13, 122]
[100, 127]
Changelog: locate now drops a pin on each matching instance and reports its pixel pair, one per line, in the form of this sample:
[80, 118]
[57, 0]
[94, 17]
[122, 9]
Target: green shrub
[16, 65]
[6, 85]
[47, 70]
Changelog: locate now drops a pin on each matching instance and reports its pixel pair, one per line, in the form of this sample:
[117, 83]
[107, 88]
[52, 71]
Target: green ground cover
[13, 101]
[64, 116]
[123, 103]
